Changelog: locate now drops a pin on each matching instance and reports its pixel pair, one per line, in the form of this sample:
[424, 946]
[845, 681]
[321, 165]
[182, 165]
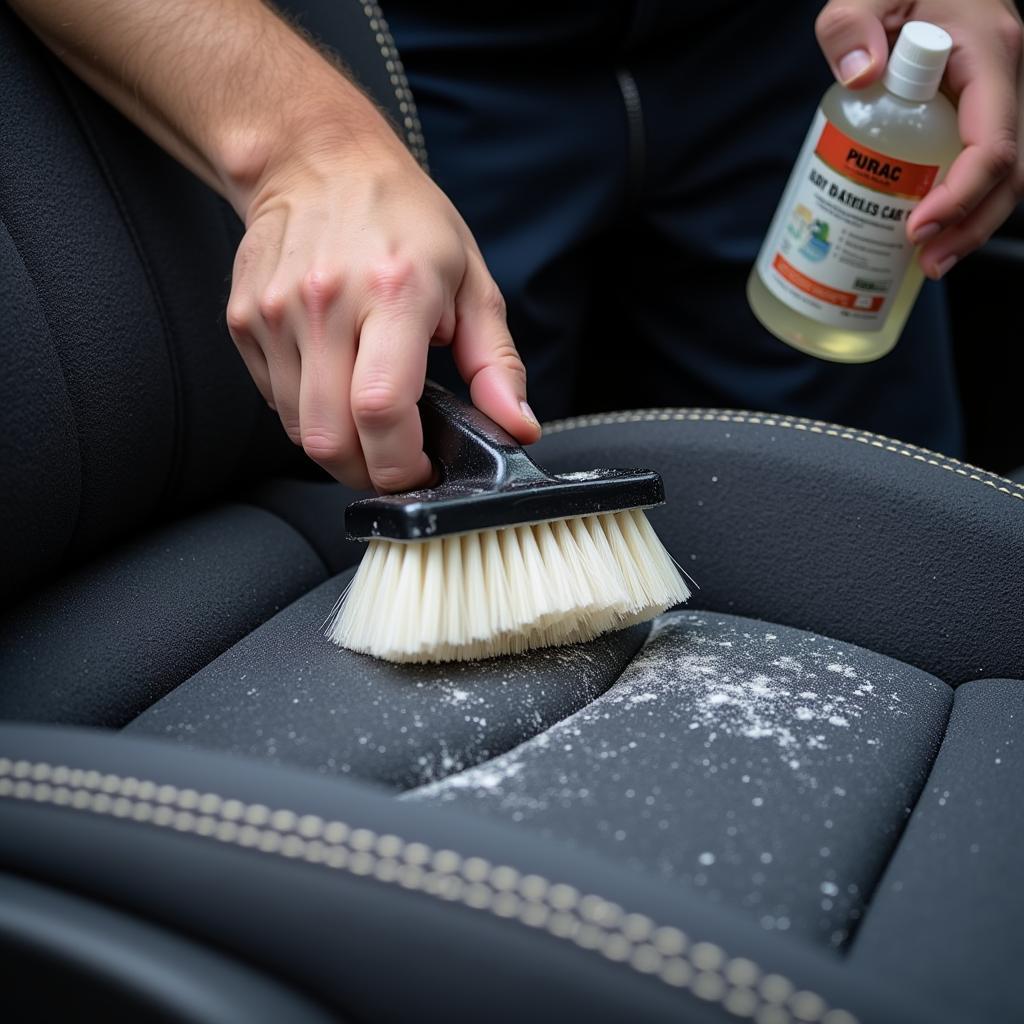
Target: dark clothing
[619, 164]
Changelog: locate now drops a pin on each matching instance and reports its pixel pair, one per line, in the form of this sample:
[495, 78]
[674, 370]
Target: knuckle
[319, 287]
[272, 305]
[375, 406]
[391, 278]
[324, 447]
[291, 428]
[240, 315]
[960, 210]
[1002, 156]
[507, 357]
[494, 302]
[392, 478]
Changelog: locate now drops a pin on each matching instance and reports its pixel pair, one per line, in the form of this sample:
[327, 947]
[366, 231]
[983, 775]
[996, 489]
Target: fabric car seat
[796, 799]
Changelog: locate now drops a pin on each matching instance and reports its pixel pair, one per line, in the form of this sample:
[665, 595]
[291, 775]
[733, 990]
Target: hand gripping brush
[500, 557]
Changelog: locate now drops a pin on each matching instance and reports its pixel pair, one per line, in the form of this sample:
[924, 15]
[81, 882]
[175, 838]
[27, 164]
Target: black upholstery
[755, 810]
[387, 943]
[140, 621]
[125, 969]
[768, 768]
[285, 693]
[954, 883]
[858, 537]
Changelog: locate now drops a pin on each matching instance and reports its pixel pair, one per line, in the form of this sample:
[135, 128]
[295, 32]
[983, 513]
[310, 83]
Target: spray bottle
[837, 275]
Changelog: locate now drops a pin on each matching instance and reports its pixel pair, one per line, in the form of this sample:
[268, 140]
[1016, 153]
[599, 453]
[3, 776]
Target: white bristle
[507, 590]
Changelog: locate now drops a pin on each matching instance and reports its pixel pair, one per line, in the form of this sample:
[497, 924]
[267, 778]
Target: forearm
[225, 86]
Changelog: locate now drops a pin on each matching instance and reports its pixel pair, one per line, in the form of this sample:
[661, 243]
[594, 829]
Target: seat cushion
[770, 768]
[757, 770]
[287, 694]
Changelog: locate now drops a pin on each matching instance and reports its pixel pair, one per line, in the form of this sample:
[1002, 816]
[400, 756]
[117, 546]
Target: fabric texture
[846, 534]
[287, 694]
[947, 914]
[768, 768]
[101, 645]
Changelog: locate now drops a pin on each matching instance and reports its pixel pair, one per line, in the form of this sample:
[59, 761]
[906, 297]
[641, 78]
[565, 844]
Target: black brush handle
[489, 482]
[470, 448]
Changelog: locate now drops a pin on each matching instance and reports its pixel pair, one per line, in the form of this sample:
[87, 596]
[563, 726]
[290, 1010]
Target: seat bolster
[101, 644]
[383, 907]
[848, 534]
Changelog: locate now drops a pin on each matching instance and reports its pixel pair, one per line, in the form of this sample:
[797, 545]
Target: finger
[486, 355]
[243, 326]
[853, 39]
[285, 369]
[445, 328]
[985, 76]
[326, 342]
[253, 263]
[387, 382]
[256, 363]
[953, 244]
[280, 349]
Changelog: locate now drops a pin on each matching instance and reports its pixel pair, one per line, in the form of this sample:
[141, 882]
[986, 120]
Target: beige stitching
[585, 919]
[946, 462]
[399, 82]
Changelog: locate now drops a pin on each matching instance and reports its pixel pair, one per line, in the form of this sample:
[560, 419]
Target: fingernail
[528, 415]
[925, 234]
[853, 65]
[945, 266]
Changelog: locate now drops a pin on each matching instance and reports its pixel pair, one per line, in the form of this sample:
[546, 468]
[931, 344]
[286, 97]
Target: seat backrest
[121, 396]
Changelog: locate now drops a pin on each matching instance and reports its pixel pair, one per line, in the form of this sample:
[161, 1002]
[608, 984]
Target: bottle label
[837, 250]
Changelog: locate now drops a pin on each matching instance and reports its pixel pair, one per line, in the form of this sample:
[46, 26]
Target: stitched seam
[587, 920]
[923, 455]
[399, 82]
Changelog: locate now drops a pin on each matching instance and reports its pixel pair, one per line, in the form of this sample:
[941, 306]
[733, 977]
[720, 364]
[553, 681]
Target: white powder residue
[488, 776]
[768, 724]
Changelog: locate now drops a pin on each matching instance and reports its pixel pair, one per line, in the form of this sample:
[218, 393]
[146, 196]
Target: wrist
[307, 143]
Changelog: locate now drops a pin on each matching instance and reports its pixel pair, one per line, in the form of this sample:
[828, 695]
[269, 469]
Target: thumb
[853, 39]
[486, 356]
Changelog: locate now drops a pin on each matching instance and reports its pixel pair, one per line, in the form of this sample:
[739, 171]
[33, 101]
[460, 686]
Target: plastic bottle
[837, 275]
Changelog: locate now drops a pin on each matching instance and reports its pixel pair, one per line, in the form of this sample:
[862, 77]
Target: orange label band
[867, 166]
[821, 292]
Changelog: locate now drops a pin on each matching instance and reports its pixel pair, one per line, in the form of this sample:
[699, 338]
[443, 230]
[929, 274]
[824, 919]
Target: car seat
[796, 799]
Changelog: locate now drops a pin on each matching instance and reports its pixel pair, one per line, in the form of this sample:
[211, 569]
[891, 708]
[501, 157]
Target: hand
[353, 263]
[984, 77]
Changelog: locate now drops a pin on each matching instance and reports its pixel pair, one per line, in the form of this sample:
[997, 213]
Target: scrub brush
[500, 557]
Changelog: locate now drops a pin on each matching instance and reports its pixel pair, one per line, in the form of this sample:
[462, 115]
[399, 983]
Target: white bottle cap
[918, 61]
